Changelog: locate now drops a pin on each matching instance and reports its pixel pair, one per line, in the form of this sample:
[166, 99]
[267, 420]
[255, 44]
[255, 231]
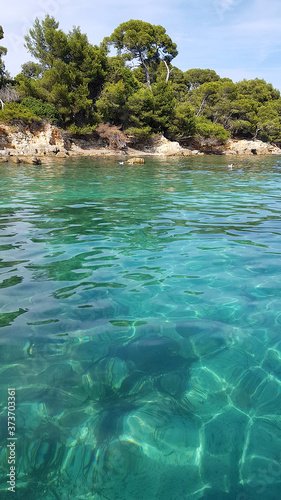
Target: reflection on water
[140, 325]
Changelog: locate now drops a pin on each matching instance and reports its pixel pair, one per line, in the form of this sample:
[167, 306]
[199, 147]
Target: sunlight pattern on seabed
[140, 327]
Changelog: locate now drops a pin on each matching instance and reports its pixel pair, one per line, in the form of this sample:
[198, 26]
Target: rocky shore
[32, 144]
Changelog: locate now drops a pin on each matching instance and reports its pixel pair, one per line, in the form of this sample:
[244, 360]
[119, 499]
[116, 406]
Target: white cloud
[224, 6]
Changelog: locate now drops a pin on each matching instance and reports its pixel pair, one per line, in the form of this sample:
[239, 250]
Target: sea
[140, 329]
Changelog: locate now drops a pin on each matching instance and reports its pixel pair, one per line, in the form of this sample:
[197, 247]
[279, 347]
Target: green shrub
[14, 112]
[42, 109]
[269, 131]
[183, 123]
[206, 128]
[85, 130]
[242, 128]
[139, 132]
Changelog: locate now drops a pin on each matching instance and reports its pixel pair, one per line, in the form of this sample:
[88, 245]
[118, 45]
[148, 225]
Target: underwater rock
[208, 337]
[33, 160]
[260, 466]
[266, 400]
[134, 466]
[272, 362]
[150, 330]
[93, 388]
[173, 383]
[164, 433]
[111, 372]
[223, 442]
[154, 354]
[116, 372]
[73, 418]
[244, 395]
[138, 385]
[135, 161]
[58, 374]
[78, 467]
[229, 365]
[15, 375]
[205, 394]
[90, 351]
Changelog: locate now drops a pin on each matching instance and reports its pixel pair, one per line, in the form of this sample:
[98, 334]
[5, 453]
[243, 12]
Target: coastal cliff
[48, 140]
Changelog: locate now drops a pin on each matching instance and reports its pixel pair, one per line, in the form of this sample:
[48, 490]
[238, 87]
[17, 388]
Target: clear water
[140, 320]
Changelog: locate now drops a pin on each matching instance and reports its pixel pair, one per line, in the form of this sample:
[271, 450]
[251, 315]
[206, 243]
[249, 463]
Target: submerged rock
[157, 454]
[31, 160]
[135, 161]
[62, 154]
[260, 464]
[224, 440]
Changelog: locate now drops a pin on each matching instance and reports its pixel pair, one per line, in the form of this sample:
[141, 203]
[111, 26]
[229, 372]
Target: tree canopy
[70, 73]
[143, 43]
[138, 91]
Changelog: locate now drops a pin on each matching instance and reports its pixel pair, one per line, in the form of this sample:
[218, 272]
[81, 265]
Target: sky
[236, 38]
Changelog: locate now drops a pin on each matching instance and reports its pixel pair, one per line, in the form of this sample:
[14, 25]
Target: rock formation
[45, 139]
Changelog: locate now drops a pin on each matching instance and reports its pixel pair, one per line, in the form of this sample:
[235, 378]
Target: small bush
[86, 130]
[139, 132]
[42, 109]
[14, 112]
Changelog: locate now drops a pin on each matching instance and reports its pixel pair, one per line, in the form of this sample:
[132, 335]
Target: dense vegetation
[78, 85]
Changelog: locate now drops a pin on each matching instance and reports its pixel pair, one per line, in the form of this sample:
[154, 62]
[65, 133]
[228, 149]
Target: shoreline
[31, 145]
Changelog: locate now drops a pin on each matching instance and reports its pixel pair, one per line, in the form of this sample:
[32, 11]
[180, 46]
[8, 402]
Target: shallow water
[140, 327]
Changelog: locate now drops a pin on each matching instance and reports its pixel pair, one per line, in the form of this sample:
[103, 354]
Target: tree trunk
[201, 106]
[168, 71]
[257, 131]
[147, 77]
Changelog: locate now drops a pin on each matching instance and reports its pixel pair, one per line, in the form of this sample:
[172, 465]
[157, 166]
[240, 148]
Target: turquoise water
[140, 319]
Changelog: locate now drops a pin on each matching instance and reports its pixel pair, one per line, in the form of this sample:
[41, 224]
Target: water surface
[140, 326]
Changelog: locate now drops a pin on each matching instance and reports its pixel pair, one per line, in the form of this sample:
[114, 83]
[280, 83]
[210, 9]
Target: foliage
[268, 125]
[15, 112]
[258, 90]
[140, 108]
[143, 42]
[184, 121]
[111, 106]
[84, 130]
[73, 75]
[42, 109]
[27, 87]
[138, 133]
[164, 103]
[196, 77]
[32, 69]
[212, 99]
[206, 128]
[3, 52]
[76, 84]
[46, 42]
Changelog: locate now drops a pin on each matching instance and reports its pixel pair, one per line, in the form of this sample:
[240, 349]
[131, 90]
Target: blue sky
[237, 38]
